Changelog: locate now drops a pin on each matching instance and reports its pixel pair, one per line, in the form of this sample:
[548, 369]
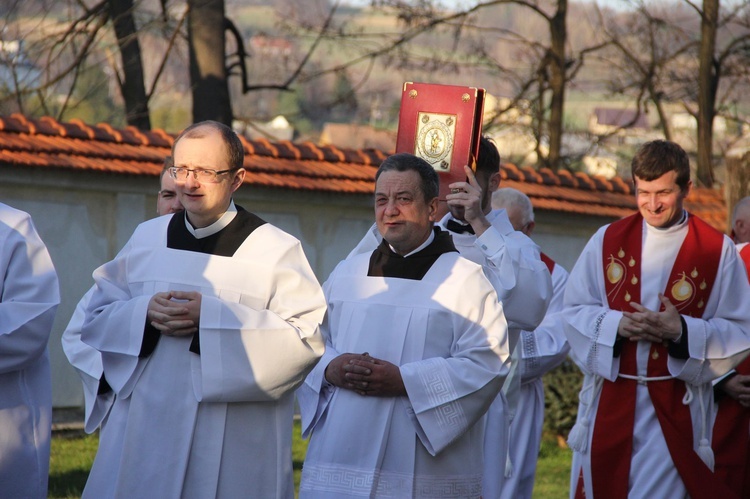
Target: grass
[72, 458]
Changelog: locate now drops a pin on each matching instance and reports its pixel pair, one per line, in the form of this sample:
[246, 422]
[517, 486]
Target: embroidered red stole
[688, 287]
[731, 438]
[549, 262]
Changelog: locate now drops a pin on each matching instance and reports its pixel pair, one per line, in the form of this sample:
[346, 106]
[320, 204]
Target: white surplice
[447, 334]
[717, 342]
[29, 296]
[218, 424]
[511, 262]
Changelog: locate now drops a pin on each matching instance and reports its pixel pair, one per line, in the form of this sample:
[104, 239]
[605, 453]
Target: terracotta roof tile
[47, 143]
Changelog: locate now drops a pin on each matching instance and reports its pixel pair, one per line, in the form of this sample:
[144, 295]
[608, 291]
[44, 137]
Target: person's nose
[391, 209]
[192, 180]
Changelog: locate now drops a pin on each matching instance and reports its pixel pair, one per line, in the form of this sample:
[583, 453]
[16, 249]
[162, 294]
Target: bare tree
[132, 85]
[642, 49]
[724, 33]
[208, 72]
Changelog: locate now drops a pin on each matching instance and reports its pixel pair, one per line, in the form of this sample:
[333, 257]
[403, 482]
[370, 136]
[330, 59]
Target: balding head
[741, 220]
[518, 207]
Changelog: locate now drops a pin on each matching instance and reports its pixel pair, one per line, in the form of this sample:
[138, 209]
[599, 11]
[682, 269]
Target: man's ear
[494, 182]
[432, 208]
[239, 177]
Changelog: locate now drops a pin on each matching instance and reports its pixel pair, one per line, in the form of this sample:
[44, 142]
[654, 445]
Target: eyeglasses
[181, 174]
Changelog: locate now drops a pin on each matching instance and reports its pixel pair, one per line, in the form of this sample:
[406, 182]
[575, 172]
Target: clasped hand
[738, 387]
[365, 375]
[175, 313]
[645, 324]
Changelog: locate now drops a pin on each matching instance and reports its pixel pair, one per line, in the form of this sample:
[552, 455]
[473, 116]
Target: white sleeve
[29, 292]
[590, 325]
[250, 354]
[519, 276]
[87, 362]
[464, 384]
[719, 340]
[546, 347]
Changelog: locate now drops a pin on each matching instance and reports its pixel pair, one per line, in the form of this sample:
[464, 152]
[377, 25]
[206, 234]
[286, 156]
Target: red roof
[47, 143]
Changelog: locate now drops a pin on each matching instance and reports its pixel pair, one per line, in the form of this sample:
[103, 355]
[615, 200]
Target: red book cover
[441, 124]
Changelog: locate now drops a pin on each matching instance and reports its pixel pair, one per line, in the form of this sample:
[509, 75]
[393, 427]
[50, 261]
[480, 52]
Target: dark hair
[658, 157]
[403, 162]
[168, 163]
[488, 158]
[235, 150]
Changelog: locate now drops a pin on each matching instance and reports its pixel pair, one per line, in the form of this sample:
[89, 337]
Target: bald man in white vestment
[416, 351]
[29, 296]
[537, 352]
[207, 321]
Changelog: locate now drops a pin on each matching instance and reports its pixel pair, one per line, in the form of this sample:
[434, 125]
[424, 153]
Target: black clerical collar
[384, 262]
[457, 227]
[225, 242]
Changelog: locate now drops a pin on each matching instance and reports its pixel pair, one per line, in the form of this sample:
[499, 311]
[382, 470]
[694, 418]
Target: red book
[441, 124]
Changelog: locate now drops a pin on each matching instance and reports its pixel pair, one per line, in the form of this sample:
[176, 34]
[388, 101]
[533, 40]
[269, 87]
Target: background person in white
[638, 337]
[538, 352]
[416, 350]
[97, 394]
[29, 295]
[206, 321]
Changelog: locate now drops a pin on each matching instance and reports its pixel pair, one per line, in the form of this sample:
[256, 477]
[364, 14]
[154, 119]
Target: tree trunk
[208, 75]
[708, 82]
[558, 36]
[663, 118]
[132, 85]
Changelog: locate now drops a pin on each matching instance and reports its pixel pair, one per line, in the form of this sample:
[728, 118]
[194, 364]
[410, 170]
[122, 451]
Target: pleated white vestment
[448, 335]
[218, 423]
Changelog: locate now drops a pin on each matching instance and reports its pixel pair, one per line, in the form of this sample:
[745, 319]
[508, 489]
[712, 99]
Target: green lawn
[72, 457]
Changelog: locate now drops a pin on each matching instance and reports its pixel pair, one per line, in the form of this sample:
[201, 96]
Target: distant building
[16, 70]
[275, 130]
[274, 46]
[350, 136]
[686, 121]
[608, 121]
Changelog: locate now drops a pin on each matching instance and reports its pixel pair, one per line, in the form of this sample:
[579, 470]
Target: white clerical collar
[215, 227]
[422, 246]
[672, 228]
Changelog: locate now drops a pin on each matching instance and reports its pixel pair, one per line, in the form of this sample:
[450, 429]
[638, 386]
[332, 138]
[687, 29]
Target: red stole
[745, 255]
[731, 438]
[688, 287]
[549, 262]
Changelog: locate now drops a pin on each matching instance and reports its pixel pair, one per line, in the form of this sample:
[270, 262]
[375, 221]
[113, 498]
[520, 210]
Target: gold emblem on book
[413, 94]
[435, 138]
